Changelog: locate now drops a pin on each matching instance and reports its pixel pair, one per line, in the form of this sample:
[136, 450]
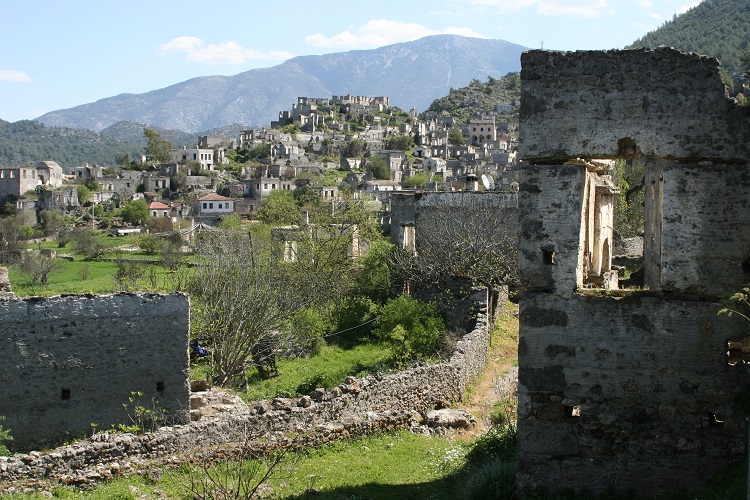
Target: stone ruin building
[73, 361]
[633, 389]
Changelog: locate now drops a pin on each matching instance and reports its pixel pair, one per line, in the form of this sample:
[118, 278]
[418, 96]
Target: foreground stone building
[630, 389]
[73, 361]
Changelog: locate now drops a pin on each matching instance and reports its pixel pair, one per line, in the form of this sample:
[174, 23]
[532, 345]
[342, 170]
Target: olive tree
[245, 296]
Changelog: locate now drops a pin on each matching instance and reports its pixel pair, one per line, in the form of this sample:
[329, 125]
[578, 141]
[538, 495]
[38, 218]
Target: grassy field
[75, 275]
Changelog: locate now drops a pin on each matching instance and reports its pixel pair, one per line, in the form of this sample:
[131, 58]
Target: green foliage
[739, 304]
[128, 274]
[84, 195]
[376, 278]
[141, 418]
[413, 329]
[418, 180]
[492, 465]
[291, 128]
[629, 210]
[135, 212]
[718, 28]
[88, 244]
[378, 167]
[38, 267]
[5, 438]
[478, 97]
[399, 142]
[230, 223]
[150, 244]
[158, 149]
[50, 221]
[353, 315]
[10, 240]
[244, 155]
[354, 148]
[279, 209]
[456, 137]
[24, 142]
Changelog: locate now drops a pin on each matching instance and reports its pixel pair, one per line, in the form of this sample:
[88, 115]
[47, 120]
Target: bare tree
[473, 236]
[246, 295]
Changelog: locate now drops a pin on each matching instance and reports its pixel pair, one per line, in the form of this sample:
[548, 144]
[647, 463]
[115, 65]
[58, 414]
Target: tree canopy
[158, 149]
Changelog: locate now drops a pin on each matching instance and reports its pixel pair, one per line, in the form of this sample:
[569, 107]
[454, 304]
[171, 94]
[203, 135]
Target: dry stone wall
[70, 361]
[358, 407]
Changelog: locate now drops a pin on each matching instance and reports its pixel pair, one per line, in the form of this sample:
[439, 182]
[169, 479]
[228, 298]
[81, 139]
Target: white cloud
[646, 4]
[379, 32]
[196, 49]
[686, 7]
[576, 8]
[12, 75]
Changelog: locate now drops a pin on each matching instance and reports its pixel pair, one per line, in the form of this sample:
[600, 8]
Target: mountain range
[411, 74]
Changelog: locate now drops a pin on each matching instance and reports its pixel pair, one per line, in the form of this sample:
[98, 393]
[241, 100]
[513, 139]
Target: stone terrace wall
[354, 408]
[69, 361]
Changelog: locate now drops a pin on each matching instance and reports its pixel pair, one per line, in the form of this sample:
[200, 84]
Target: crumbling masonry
[73, 361]
[631, 389]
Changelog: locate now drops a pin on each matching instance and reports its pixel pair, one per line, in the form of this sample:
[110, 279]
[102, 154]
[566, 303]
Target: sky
[60, 54]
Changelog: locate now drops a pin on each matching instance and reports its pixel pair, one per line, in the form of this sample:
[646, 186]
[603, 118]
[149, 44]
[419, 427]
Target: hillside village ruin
[295, 160]
[631, 389]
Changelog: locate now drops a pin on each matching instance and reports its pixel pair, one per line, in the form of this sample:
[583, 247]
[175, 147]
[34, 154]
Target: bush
[353, 312]
[5, 438]
[150, 244]
[87, 243]
[413, 329]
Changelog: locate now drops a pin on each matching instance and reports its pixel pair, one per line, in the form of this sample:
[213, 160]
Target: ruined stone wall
[633, 392]
[696, 235]
[423, 208]
[648, 102]
[357, 407]
[70, 361]
[632, 389]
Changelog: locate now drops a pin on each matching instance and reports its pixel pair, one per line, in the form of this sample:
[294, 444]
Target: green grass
[329, 368]
[69, 278]
[398, 465]
[80, 276]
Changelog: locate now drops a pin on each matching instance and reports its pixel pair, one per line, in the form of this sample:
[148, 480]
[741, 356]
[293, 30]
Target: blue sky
[59, 54]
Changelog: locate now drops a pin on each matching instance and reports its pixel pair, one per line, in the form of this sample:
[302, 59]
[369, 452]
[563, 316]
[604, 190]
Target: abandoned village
[624, 388]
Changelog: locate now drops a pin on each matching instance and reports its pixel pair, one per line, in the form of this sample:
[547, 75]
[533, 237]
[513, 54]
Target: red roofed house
[158, 210]
[215, 204]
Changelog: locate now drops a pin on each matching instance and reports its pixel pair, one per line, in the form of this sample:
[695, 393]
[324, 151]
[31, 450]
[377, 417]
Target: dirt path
[500, 377]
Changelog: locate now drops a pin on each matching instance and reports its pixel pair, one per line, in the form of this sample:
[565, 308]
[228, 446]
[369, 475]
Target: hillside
[411, 74]
[477, 97]
[26, 142]
[718, 28]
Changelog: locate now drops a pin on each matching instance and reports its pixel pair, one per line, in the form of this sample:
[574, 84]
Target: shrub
[353, 312]
[150, 244]
[410, 327]
[5, 437]
[87, 243]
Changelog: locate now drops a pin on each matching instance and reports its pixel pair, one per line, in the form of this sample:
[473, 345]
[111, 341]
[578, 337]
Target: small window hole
[65, 394]
[160, 387]
[572, 411]
[549, 257]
